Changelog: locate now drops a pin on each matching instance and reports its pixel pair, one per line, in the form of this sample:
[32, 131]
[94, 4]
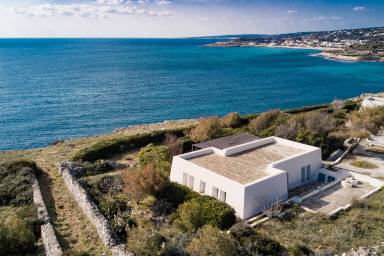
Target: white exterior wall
[293, 166]
[262, 194]
[234, 191]
[250, 199]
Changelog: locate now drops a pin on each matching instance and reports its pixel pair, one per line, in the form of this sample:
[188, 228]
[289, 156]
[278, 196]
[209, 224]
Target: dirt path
[72, 227]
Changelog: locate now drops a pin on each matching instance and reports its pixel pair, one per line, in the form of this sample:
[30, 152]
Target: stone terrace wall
[69, 172]
[48, 236]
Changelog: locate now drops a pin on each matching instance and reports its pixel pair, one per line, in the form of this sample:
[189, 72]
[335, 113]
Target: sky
[182, 18]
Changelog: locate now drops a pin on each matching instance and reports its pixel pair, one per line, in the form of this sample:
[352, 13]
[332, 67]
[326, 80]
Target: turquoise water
[56, 89]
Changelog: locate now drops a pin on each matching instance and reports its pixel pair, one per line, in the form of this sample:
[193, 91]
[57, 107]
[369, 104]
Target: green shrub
[211, 241]
[212, 212]
[364, 164]
[144, 241]
[17, 238]
[154, 155]
[207, 129]
[109, 147]
[97, 167]
[299, 250]
[232, 120]
[186, 143]
[111, 206]
[15, 183]
[263, 121]
[177, 194]
[351, 105]
[250, 243]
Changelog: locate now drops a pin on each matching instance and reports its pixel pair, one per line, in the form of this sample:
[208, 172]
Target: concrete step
[258, 222]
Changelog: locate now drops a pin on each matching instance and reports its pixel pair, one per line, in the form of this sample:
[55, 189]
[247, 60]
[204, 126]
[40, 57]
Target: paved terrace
[337, 196]
[247, 166]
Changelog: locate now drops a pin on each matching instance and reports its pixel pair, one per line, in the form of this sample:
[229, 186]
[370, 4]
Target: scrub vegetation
[157, 217]
[19, 226]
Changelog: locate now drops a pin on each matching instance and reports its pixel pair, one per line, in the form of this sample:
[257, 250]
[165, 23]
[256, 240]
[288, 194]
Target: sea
[52, 89]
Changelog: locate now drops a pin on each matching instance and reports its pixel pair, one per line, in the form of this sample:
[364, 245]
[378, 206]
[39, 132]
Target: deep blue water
[55, 89]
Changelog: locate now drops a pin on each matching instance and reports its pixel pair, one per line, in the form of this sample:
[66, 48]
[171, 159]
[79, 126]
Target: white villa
[250, 176]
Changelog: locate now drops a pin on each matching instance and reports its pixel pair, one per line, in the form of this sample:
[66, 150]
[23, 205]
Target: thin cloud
[102, 9]
[291, 11]
[358, 8]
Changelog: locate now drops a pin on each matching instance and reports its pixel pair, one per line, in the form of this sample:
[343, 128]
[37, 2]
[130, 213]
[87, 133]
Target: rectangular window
[302, 174]
[191, 180]
[202, 187]
[215, 192]
[223, 196]
[308, 172]
[185, 179]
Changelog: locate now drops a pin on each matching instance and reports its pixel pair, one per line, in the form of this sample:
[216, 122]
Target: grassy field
[362, 225]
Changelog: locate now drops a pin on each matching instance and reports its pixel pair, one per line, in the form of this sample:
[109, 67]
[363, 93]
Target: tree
[208, 128]
[141, 182]
[211, 241]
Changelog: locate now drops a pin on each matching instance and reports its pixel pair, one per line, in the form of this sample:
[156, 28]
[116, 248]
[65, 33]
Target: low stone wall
[48, 236]
[69, 172]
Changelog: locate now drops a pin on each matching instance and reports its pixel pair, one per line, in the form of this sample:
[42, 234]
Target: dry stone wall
[70, 172]
[48, 236]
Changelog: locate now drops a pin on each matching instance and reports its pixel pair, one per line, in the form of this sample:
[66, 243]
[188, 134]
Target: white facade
[248, 197]
[372, 102]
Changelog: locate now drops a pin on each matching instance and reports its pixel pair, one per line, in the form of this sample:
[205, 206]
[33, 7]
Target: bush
[144, 240]
[369, 119]
[299, 250]
[263, 121]
[364, 164]
[17, 238]
[350, 105]
[250, 243]
[207, 129]
[110, 184]
[177, 194]
[154, 155]
[111, 206]
[15, 183]
[173, 144]
[98, 167]
[211, 241]
[210, 210]
[141, 182]
[109, 147]
[232, 120]
[186, 143]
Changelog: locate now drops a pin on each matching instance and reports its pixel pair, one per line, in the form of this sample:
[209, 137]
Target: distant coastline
[326, 52]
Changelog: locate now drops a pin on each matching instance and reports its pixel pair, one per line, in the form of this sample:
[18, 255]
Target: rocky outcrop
[70, 171]
[48, 236]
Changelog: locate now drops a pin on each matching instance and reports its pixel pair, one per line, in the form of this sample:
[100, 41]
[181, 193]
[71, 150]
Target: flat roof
[246, 166]
[228, 141]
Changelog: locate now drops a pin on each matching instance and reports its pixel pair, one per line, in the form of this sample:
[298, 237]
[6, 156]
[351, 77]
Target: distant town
[365, 44]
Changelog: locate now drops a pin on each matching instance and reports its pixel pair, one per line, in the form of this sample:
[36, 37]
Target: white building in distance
[250, 176]
[372, 102]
